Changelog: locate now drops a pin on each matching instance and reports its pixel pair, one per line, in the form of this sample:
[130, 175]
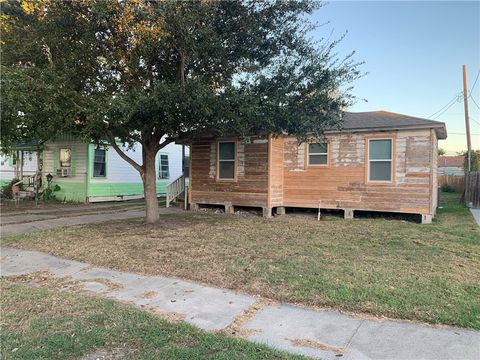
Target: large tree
[151, 72]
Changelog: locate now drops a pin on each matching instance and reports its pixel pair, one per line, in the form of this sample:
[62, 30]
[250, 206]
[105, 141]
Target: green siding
[69, 191]
[121, 189]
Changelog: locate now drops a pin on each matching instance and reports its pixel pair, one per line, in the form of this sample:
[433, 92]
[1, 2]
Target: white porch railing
[174, 189]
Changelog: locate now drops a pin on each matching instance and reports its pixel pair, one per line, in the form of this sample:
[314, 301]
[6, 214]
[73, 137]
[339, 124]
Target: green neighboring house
[88, 173]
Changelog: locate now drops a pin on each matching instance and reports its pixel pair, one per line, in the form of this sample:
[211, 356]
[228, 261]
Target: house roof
[450, 161]
[383, 120]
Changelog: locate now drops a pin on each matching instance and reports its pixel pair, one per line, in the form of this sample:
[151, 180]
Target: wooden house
[379, 161]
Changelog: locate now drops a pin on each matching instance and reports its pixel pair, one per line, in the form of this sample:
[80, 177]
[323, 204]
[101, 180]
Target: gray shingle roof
[389, 120]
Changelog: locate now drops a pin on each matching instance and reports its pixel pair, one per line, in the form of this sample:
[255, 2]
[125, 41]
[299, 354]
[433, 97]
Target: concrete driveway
[21, 222]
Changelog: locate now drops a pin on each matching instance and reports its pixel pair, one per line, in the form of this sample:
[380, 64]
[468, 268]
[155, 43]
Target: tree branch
[111, 140]
[165, 143]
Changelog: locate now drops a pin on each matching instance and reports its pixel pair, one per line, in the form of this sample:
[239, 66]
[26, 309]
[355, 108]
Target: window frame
[307, 155]
[60, 158]
[235, 160]
[392, 139]
[160, 166]
[93, 165]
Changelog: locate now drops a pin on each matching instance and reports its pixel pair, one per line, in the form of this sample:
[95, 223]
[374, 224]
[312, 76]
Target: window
[163, 172]
[318, 154]
[14, 159]
[99, 163]
[380, 160]
[65, 158]
[226, 160]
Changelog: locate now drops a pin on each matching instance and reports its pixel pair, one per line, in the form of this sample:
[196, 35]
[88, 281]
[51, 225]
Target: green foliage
[441, 152]
[48, 194]
[447, 188]
[7, 189]
[475, 160]
[143, 71]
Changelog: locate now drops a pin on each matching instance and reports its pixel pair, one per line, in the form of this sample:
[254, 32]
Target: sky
[413, 53]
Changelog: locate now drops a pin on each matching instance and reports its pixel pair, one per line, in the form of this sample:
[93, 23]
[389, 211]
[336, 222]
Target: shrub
[447, 188]
[7, 189]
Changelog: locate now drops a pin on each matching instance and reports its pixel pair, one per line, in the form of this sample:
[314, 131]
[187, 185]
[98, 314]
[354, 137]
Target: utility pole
[467, 121]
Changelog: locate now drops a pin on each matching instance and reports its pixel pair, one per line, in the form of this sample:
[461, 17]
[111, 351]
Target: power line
[448, 105]
[450, 133]
[475, 120]
[471, 97]
[474, 83]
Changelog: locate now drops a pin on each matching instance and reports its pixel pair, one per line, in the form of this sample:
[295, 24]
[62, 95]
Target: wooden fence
[472, 189]
[456, 182]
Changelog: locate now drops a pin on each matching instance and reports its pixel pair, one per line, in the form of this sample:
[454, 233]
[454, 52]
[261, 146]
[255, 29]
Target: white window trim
[234, 160]
[325, 153]
[380, 160]
[160, 171]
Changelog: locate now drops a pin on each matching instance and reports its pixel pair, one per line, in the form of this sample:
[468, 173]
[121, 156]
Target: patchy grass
[41, 324]
[382, 267]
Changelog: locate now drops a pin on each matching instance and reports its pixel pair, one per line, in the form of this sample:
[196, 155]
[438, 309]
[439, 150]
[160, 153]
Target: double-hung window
[100, 163]
[65, 158]
[163, 171]
[380, 160]
[226, 160]
[318, 154]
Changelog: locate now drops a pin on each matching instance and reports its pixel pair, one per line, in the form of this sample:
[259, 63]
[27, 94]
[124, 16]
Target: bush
[7, 189]
[48, 194]
[447, 188]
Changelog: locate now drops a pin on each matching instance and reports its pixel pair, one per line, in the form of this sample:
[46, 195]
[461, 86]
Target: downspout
[87, 174]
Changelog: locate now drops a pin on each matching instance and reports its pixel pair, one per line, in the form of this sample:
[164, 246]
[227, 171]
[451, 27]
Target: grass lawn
[41, 324]
[382, 267]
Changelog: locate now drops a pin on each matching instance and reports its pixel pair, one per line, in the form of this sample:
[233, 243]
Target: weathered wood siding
[343, 183]
[251, 185]
[434, 170]
[276, 171]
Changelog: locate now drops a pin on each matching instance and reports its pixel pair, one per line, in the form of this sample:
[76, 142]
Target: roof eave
[439, 128]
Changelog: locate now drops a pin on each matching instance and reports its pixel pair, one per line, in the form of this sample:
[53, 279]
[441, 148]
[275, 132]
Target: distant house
[451, 165]
[89, 173]
[379, 161]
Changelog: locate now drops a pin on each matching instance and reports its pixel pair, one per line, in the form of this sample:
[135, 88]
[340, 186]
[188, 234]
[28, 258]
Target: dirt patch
[149, 294]
[169, 316]
[112, 354]
[314, 344]
[236, 326]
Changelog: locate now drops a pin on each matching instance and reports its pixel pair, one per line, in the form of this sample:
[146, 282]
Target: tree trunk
[150, 186]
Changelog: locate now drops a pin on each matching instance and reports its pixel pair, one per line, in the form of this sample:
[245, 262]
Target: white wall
[7, 171]
[120, 171]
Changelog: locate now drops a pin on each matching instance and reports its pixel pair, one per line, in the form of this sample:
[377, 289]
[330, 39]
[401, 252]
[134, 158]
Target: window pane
[227, 151]
[226, 169]
[65, 157]
[99, 165]
[99, 169]
[318, 159]
[380, 149]
[317, 148]
[380, 170]
[164, 168]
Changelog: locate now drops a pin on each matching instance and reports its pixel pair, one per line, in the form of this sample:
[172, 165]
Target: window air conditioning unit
[63, 172]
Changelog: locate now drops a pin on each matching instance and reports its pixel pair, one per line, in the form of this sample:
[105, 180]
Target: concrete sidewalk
[36, 222]
[476, 215]
[315, 333]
